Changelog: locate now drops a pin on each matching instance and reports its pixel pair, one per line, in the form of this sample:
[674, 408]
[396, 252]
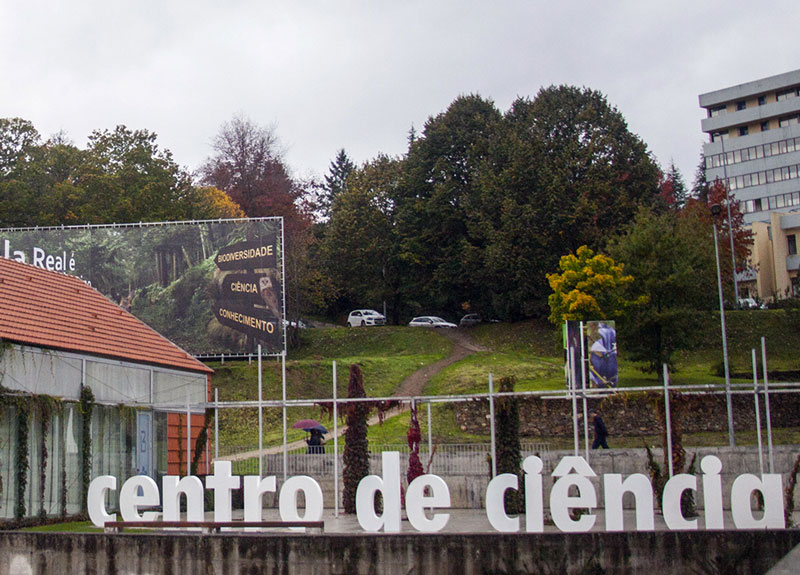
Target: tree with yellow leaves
[590, 287]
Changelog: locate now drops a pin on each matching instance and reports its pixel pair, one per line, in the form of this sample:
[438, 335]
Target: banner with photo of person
[212, 287]
[601, 347]
[594, 342]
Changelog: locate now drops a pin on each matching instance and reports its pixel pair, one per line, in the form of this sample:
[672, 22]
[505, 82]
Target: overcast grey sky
[358, 74]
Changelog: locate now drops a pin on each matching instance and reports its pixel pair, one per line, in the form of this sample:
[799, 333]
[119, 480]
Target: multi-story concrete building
[754, 146]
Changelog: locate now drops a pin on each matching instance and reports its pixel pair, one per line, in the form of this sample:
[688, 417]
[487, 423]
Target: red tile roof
[58, 311]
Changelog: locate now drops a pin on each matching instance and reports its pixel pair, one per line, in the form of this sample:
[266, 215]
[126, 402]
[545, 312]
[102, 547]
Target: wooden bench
[210, 526]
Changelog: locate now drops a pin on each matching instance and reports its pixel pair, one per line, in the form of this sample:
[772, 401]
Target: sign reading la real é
[428, 494]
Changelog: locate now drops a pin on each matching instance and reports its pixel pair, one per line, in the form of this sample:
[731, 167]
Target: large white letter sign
[222, 482]
[390, 488]
[417, 501]
[642, 490]
[95, 499]
[573, 471]
[712, 492]
[495, 503]
[193, 488]
[771, 488]
[288, 499]
[534, 506]
[254, 489]
[671, 502]
[130, 500]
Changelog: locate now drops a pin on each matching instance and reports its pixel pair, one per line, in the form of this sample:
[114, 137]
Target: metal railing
[446, 460]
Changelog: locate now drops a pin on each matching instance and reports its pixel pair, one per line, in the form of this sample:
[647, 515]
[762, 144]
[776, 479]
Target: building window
[741, 105]
[743, 131]
[762, 100]
[764, 126]
[792, 244]
[786, 94]
[712, 112]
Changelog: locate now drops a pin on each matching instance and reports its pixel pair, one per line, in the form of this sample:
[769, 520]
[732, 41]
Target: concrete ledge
[457, 554]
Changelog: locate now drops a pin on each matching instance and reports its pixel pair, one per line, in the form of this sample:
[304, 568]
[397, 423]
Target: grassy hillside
[530, 351]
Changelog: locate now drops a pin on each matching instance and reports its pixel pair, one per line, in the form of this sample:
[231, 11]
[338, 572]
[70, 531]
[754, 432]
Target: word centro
[572, 489]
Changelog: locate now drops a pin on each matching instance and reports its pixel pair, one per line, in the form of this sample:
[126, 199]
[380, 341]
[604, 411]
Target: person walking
[600, 432]
[316, 443]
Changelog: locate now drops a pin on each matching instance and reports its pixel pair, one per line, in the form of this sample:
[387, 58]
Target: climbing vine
[45, 406]
[180, 442]
[202, 439]
[86, 407]
[22, 462]
[788, 493]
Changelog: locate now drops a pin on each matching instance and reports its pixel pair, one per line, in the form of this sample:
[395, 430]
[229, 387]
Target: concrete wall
[468, 554]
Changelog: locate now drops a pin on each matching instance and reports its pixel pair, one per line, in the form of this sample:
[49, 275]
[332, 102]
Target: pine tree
[700, 185]
[335, 181]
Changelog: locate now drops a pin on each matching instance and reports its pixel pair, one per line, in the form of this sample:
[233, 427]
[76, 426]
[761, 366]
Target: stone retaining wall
[629, 414]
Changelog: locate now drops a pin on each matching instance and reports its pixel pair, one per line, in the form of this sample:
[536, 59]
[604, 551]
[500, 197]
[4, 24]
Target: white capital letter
[771, 488]
[417, 501]
[712, 492]
[130, 500]
[671, 502]
[288, 499]
[390, 488]
[254, 489]
[222, 482]
[192, 487]
[615, 488]
[534, 507]
[495, 503]
[95, 499]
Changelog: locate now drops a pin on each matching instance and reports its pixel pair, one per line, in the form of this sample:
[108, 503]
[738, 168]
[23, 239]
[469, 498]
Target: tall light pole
[730, 221]
[715, 211]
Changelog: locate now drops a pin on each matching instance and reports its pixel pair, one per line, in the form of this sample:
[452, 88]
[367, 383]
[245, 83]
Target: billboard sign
[212, 287]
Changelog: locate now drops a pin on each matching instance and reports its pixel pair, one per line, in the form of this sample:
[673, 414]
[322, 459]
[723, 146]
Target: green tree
[439, 189]
[335, 181]
[357, 247]
[19, 141]
[564, 171]
[672, 258]
[126, 177]
[590, 286]
[700, 184]
[673, 190]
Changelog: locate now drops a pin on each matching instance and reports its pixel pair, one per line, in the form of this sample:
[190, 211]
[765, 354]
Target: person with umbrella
[316, 441]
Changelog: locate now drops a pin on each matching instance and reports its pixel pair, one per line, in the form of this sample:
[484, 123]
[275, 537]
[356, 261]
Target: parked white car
[365, 317]
[430, 321]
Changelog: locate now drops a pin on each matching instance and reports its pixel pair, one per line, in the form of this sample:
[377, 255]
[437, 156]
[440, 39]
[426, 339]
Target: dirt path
[463, 345]
[412, 386]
